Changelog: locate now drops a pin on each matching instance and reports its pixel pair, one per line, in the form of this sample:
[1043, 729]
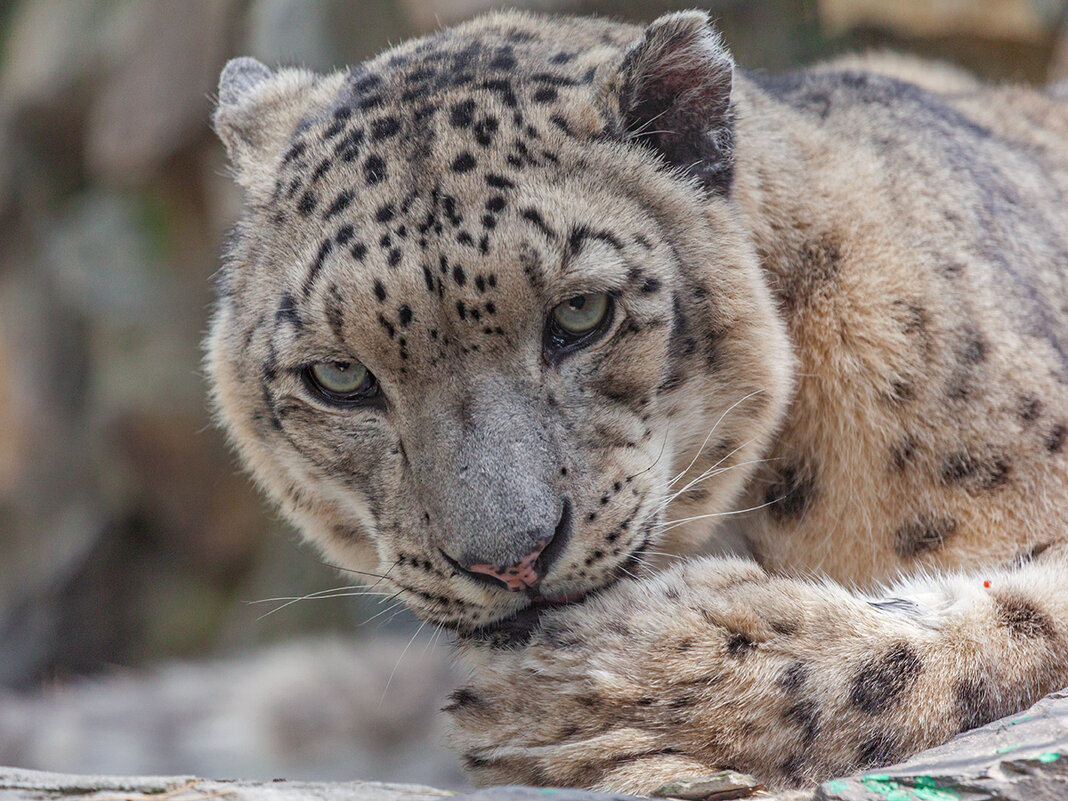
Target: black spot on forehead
[295, 151]
[806, 715]
[348, 147]
[485, 129]
[464, 162]
[287, 311]
[341, 202]
[498, 181]
[384, 213]
[363, 81]
[503, 89]
[374, 169]
[461, 115]
[544, 94]
[384, 128]
[307, 203]
[504, 59]
[793, 677]
[902, 453]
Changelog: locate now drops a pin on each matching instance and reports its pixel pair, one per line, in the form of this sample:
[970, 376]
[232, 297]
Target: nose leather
[520, 576]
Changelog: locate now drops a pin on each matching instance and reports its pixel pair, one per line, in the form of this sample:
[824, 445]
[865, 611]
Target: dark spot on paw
[881, 681]
[806, 715]
[794, 771]
[1022, 617]
[975, 706]
[878, 750]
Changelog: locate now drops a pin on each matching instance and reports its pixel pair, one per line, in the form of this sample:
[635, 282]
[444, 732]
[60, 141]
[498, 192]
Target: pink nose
[519, 576]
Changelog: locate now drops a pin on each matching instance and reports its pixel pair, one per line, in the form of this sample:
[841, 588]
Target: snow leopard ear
[675, 96]
[256, 114]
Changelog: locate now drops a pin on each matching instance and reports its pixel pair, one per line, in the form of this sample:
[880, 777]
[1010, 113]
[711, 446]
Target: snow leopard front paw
[716, 664]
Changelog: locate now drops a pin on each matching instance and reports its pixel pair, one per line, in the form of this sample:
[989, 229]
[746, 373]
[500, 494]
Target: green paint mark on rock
[885, 786]
[1048, 756]
[1007, 748]
[927, 789]
[924, 788]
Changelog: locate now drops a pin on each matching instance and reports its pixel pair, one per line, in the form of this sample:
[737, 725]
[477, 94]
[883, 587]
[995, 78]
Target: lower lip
[563, 599]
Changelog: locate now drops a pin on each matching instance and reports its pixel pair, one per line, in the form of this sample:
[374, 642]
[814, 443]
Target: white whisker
[399, 658]
[675, 523]
[711, 432]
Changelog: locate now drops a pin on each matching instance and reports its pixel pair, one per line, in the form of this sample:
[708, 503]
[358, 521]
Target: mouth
[517, 629]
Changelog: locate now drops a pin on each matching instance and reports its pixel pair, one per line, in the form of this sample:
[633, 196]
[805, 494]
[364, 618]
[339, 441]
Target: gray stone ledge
[1023, 757]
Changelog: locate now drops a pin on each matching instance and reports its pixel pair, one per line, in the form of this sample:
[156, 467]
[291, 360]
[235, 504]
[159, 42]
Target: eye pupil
[577, 322]
[341, 382]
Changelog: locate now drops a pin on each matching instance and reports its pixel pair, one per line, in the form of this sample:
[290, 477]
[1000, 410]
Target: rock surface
[1019, 758]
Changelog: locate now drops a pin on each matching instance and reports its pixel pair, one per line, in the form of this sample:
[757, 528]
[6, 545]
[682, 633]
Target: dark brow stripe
[581, 233]
[532, 216]
[316, 267]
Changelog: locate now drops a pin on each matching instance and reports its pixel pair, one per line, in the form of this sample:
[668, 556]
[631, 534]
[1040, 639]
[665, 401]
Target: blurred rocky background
[128, 539]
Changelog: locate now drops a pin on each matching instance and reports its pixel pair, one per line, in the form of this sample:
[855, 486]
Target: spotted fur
[838, 323]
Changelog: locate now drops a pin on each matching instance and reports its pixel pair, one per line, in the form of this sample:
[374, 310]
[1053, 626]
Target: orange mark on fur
[986, 584]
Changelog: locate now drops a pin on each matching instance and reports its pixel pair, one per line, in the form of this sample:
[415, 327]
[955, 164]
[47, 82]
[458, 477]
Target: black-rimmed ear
[675, 96]
[256, 114]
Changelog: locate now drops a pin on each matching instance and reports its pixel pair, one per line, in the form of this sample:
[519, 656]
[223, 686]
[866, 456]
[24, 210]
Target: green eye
[576, 323]
[582, 313]
[342, 382]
